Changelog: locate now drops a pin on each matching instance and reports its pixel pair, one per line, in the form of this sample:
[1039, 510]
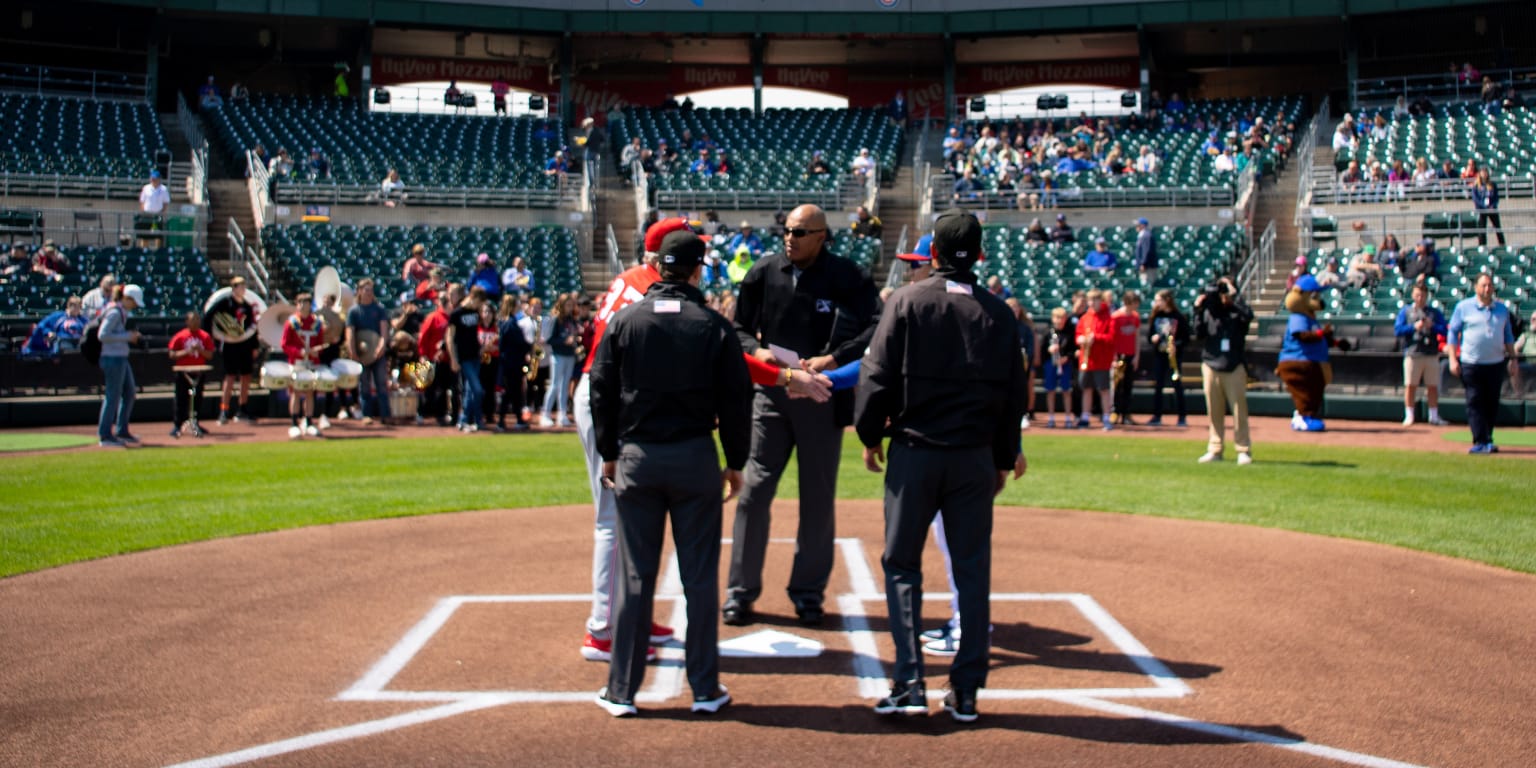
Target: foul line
[1235, 734]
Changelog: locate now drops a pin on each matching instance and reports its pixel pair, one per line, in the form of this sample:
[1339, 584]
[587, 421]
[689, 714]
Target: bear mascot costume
[1304, 363]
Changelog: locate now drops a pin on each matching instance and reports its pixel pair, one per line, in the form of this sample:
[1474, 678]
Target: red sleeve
[293, 346]
[178, 341]
[760, 372]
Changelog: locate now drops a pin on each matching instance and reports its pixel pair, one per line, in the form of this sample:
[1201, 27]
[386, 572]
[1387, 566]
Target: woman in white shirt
[392, 188]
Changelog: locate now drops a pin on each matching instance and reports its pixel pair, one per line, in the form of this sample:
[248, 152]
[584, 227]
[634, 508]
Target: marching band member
[191, 346]
[239, 354]
[303, 338]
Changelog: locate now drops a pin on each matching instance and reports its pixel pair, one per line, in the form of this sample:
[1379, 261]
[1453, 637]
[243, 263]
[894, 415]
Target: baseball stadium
[372, 373]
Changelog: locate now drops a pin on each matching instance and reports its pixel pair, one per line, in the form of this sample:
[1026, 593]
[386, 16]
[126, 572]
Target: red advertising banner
[991, 78]
[393, 70]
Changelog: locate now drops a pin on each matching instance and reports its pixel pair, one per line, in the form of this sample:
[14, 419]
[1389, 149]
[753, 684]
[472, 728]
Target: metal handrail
[110, 227]
[1208, 196]
[893, 277]
[1261, 260]
[1306, 150]
[1440, 84]
[74, 83]
[615, 265]
[1326, 189]
[61, 185]
[302, 193]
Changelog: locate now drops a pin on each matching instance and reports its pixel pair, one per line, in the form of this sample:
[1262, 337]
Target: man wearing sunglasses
[794, 300]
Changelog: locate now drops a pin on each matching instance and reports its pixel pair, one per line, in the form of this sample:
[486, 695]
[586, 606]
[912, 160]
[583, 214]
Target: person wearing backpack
[119, 389]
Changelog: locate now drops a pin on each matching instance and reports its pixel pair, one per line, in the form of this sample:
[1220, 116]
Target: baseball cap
[681, 250]
[1308, 283]
[483, 259]
[921, 253]
[1428, 242]
[956, 238]
[1141, 222]
[154, 174]
[134, 292]
[1301, 261]
[660, 230]
[1100, 241]
[1061, 217]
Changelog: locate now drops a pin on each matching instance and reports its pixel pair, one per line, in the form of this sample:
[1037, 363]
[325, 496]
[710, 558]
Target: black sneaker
[128, 438]
[176, 432]
[710, 704]
[961, 705]
[909, 698]
[811, 615]
[736, 614]
[223, 418]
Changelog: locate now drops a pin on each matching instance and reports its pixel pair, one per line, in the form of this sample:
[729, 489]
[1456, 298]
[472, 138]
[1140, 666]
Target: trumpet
[1173, 358]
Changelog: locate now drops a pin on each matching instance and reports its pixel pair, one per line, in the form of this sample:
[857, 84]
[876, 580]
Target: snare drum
[325, 380]
[276, 374]
[347, 373]
[304, 381]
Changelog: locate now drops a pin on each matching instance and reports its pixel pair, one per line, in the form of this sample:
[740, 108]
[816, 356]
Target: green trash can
[180, 231]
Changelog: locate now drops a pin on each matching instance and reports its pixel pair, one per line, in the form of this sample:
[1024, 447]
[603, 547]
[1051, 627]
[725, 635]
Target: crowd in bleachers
[1411, 151]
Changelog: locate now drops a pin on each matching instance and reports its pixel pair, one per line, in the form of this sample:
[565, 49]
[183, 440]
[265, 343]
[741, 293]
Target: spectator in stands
[1469, 74]
[740, 263]
[745, 237]
[1100, 260]
[1397, 180]
[544, 130]
[1421, 330]
[208, 95]
[1351, 182]
[452, 94]
[1525, 353]
[897, 111]
[1344, 139]
[317, 166]
[1470, 170]
[58, 332]
[487, 278]
[1377, 183]
[49, 262]
[954, 148]
[1147, 162]
[687, 104]
[702, 166]
[1485, 197]
[239, 93]
[96, 299]
[1422, 264]
[1175, 104]
[648, 163]
[866, 224]
[339, 87]
[712, 225]
[499, 90]
[1379, 131]
[1512, 99]
[1388, 253]
[818, 165]
[1491, 96]
[154, 196]
[1062, 233]
[780, 224]
[1226, 162]
[119, 388]
[1147, 263]
[18, 260]
[557, 166]
[967, 186]
[281, 166]
[1400, 108]
[864, 164]
[630, 155]
[392, 189]
[1296, 272]
[1423, 175]
[996, 288]
[669, 102]
[1004, 183]
[417, 268]
[1036, 233]
[1330, 277]
[1364, 272]
[517, 280]
[1421, 106]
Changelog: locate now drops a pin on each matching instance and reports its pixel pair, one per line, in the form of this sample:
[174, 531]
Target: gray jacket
[114, 331]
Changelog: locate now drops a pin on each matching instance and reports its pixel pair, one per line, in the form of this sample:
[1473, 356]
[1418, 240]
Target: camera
[1216, 289]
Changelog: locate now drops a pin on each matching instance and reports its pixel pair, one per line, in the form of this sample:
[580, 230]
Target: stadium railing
[941, 187]
[1439, 86]
[93, 226]
[1306, 152]
[57, 185]
[615, 264]
[259, 183]
[566, 194]
[845, 196]
[1327, 190]
[66, 81]
[1261, 259]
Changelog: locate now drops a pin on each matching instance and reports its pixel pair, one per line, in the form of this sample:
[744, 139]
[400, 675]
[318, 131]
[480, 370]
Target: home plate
[771, 643]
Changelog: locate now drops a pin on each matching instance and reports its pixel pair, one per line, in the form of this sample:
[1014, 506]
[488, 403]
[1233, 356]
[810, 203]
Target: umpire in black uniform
[944, 379]
[666, 371]
[824, 308]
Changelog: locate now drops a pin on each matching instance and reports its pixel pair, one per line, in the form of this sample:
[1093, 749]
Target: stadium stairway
[227, 199]
[616, 208]
[181, 156]
[1277, 203]
[898, 208]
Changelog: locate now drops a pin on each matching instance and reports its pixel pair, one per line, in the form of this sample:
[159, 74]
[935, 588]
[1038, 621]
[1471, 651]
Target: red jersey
[1126, 325]
[303, 338]
[433, 330]
[1096, 325]
[629, 287]
[197, 342]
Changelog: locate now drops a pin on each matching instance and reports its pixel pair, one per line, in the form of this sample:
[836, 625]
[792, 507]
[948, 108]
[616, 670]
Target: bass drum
[347, 373]
[276, 374]
[325, 380]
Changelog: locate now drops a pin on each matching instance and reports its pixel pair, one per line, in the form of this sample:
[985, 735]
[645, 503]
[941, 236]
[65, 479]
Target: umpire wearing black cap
[667, 370]
[944, 380]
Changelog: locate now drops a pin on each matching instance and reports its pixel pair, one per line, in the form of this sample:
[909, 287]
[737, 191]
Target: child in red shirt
[190, 346]
[303, 336]
[1126, 322]
[1096, 352]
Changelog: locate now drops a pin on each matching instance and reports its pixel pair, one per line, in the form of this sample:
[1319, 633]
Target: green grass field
[40, 441]
[81, 505]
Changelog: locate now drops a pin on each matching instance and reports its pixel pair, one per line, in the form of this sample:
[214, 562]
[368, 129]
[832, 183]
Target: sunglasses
[802, 231]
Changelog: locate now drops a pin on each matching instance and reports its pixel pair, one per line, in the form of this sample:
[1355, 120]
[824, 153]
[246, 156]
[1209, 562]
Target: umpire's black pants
[920, 482]
[1482, 383]
[653, 479]
[780, 424]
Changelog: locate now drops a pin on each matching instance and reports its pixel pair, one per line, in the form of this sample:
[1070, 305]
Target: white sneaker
[1408, 420]
[326, 423]
[1209, 457]
[545, 421]
[709, 705]
[1024, 423]
[615, 708]
[294, 432]
[1439, 422]
[341, 415]
[1244, 459]
[312, 431]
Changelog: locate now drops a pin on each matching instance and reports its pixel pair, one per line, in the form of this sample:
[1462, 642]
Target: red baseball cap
[660, 230]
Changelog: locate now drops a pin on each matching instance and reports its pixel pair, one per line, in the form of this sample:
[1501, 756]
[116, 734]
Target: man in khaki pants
[1221, 323]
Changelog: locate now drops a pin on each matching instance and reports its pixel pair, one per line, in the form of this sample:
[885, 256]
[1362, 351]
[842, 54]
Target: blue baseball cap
[921, 254]
[154, 174]
[1308, 283]
[1142, 222]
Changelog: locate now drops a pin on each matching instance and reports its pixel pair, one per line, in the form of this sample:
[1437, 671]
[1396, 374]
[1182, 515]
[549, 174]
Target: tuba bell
[419, 374]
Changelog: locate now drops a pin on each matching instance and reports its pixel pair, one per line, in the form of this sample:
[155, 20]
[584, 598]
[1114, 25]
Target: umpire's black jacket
[944, 368]
[667, 369]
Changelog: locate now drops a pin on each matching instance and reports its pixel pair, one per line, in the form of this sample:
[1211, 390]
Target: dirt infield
[343, 645]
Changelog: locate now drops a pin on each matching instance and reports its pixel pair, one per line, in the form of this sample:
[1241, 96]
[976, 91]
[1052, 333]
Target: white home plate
[770, 643]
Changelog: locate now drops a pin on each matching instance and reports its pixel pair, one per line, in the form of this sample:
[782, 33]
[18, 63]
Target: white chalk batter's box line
[667, 683]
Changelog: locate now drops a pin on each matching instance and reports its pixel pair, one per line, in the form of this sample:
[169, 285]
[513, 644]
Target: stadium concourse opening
[473, 98]
[1027, 103]
[774, 97]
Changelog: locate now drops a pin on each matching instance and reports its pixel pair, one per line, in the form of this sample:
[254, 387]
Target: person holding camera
[1221, 323]
[1420, 330]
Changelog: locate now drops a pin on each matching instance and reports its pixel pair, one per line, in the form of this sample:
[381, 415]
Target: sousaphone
[327, 282]
[271, 322]
[226, 327]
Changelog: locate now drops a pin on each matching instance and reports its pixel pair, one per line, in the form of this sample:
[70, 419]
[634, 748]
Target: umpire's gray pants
[918, 483]
[779, 424]
[653, 479]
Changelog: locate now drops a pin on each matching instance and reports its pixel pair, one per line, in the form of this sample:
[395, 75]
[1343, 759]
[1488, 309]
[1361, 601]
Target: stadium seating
[1514, 271]
[378, 252]
[78, 137]
[1456, 132]
[863, 251]
[767, 153]
[1044, 276]
[174, 279]
[428, 150]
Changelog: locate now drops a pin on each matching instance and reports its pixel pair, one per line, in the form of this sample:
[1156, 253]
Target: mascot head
[1302, 299]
